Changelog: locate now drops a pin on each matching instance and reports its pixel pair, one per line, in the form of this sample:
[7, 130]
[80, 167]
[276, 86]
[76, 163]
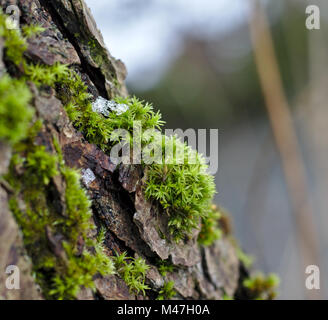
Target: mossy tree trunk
[132, 223]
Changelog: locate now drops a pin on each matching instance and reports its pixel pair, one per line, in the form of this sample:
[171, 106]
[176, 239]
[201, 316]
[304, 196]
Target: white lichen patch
[101, 106]
[88, 176]
[104, 107]
[120, 108]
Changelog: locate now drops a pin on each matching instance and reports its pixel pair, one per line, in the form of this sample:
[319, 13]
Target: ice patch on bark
[104, 107]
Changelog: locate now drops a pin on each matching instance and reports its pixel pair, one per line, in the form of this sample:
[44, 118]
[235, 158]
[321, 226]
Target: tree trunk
[118, 203]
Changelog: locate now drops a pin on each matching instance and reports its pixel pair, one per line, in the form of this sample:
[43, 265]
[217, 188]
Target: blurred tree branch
[285, 136]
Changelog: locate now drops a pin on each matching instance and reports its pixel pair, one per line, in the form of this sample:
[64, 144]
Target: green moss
[32, 30]
[41, 166]
[167, 292]
[79, 110]
[133, 272]
[63, 271]
[61, 277]
[15, 112]
[184, 190]
[15, 44]
[262, 287]
[77, 204]
[210, 230]
[81, 269]
[244, 258]
[98, 129]
[92, 44]
[116, 84]
[165, 266]
[46, 75]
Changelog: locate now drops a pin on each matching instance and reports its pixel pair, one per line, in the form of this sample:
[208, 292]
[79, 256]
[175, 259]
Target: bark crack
[95, 74]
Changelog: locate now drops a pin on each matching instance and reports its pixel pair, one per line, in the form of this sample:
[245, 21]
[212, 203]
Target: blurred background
[260, 77]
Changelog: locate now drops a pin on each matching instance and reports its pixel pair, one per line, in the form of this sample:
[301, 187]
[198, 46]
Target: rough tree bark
[132, 223]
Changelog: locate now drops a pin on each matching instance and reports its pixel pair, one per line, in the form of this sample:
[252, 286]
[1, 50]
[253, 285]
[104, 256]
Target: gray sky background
[146, 34]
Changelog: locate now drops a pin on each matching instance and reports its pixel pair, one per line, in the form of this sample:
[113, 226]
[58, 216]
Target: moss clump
[15, 112]
[41, 166]
[77, 204]
[46, 75]
[99, 129]
[32, 30]
[133, 272]
[262, 288]
[184, 190]
[167, 292]
[15, 44]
